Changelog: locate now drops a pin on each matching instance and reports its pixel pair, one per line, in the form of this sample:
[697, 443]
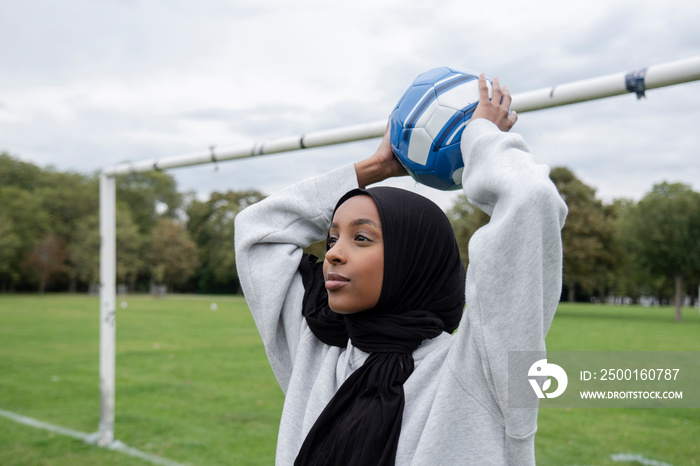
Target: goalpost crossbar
[652, 77]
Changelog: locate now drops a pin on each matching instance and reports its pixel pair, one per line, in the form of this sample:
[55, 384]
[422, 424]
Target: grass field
[194, 385]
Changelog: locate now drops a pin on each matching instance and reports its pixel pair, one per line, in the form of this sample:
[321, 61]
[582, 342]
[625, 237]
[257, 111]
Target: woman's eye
[361, 238]
[330, 242]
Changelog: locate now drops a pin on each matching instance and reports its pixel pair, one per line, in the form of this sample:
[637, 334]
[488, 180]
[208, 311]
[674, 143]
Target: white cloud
[86, 84]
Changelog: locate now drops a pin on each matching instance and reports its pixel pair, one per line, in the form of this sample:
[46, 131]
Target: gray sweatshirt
[456, 409]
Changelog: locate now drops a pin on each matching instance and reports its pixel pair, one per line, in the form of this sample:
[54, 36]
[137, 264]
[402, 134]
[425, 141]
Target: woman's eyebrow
[360, 221]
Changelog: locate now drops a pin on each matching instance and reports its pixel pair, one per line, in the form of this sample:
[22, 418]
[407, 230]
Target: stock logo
[542, 368]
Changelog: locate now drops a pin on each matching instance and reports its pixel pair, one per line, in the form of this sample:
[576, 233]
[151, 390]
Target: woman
[364, 345]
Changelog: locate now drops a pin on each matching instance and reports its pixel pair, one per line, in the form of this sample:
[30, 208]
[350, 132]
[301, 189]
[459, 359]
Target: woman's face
[354, 264]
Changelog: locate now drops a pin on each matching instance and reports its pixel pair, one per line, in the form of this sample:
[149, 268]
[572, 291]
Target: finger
[496, 91]
[513, 117]
[483, 89]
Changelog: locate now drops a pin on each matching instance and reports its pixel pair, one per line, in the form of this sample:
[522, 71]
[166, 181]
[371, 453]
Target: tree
[84, 251]
[68, 198]
[664, 229]
[37, 202]
[211, 225]
[465, 219]
[23, 211]
[145, 194]
[131, 249]
[9, 244]
[47, 258]
[23, 175]
[628, 274]
[588, 236]
[173, 255]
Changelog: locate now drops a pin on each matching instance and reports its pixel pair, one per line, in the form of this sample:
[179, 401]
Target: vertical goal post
[637, 82]
[108, 299]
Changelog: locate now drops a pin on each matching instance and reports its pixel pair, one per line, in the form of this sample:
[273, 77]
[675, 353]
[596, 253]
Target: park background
[90, 84]
[193, 382]
[623, 252]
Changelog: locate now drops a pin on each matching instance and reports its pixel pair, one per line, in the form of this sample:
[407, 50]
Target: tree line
[649, 248]
[50, 238]
[49, 235]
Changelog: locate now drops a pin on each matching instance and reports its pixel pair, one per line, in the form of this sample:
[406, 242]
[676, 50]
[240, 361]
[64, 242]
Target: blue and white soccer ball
[427, 125]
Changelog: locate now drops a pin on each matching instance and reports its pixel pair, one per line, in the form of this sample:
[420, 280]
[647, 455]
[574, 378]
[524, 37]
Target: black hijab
[422, 296]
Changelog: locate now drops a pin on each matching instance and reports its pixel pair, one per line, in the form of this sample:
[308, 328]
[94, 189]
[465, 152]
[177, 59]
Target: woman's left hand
[496, 109]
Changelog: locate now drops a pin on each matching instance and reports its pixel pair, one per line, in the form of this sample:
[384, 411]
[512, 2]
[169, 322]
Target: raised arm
[269, 239]
[515, 261]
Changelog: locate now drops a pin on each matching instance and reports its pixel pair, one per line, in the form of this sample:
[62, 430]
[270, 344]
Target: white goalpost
[637, 82]
[108, 299]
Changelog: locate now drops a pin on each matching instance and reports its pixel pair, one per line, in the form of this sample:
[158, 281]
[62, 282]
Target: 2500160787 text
[632, 374]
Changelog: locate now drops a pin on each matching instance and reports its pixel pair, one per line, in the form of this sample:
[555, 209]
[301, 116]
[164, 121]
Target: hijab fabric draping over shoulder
[422, 296]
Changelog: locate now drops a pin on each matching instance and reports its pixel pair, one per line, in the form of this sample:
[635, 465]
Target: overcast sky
[90, 83]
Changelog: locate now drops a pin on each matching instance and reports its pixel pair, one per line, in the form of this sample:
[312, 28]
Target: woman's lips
[335, 281]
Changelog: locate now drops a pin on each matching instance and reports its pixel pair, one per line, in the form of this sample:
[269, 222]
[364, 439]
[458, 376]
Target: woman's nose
[335, 254]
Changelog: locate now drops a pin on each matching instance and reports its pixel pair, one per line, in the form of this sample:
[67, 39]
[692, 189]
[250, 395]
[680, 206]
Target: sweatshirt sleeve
[515, 268]
[269, 237]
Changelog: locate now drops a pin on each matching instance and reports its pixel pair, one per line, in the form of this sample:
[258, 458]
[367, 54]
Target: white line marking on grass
[638, 458]
[28, 421]
[121, 447]
[88, 438]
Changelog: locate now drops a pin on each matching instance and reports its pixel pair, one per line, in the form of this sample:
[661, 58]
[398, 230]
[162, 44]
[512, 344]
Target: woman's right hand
[380, 166]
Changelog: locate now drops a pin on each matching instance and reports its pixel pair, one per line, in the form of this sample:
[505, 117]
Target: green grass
[590, 436]
[194, 385]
